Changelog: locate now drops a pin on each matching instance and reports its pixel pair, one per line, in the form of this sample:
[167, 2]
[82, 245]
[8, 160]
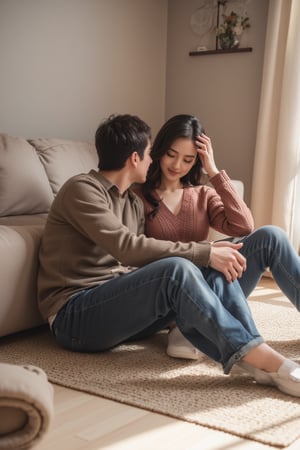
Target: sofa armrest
[19, 246]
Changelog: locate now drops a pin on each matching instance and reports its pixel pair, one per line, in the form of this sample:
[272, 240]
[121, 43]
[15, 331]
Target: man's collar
[109, 185]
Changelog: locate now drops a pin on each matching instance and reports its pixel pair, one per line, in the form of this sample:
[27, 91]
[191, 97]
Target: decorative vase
[228, 41]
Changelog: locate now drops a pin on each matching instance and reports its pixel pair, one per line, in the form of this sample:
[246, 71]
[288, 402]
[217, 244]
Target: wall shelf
[220, 51]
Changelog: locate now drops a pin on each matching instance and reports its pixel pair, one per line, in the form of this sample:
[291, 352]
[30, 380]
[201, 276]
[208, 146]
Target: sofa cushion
[64, 158]
[24, 187]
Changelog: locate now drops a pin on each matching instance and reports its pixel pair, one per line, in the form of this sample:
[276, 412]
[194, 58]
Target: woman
[179, 208]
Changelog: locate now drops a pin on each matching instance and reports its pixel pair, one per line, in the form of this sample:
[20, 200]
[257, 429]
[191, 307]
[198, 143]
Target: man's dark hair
[118, 137]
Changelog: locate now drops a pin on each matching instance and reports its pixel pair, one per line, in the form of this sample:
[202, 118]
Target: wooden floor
[87, 422]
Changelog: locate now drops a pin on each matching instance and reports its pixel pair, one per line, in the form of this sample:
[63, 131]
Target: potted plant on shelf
[230, 30]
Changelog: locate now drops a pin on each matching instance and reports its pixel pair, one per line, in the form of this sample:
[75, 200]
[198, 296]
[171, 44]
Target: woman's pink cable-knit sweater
[202, 207]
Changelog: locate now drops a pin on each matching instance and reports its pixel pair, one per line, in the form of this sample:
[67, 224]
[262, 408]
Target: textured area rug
[142, 375]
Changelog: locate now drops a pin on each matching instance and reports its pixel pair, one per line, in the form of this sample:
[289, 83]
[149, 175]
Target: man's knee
[183, 269]
[180, 263]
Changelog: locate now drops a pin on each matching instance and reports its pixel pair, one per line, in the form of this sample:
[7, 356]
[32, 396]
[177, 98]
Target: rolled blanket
[26, 406]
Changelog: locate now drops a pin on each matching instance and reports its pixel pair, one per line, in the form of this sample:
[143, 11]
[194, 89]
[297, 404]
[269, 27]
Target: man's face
[144, 164]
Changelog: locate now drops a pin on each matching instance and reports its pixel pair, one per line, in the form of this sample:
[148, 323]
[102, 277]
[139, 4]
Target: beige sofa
[31, 172]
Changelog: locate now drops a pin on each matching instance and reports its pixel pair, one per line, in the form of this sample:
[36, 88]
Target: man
[102, 282]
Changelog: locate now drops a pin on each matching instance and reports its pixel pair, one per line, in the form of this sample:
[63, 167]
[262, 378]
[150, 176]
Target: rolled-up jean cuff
[236, 357]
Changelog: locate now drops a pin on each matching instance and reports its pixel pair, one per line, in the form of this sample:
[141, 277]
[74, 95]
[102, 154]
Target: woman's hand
[226, 258]
[206, 153]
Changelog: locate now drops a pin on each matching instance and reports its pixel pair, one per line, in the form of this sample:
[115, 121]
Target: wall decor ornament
[203, 19]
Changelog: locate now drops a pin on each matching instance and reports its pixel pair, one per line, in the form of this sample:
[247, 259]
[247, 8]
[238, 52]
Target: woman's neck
[171, 194]
[166, 186]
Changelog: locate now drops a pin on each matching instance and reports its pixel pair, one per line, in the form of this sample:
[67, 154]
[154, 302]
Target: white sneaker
[180, 347]
[286, 379]
[260, 376]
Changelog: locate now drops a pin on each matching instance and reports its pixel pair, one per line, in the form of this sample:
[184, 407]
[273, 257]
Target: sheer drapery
[276, 178]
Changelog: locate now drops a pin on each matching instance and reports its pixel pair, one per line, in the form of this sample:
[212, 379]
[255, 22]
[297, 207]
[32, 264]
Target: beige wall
[222, 90]
[67, 64]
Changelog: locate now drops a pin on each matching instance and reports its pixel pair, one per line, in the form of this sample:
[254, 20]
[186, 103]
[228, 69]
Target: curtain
[276, 176]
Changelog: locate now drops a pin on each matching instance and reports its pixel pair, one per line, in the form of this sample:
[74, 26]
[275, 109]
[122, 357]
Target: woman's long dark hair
[179, 126]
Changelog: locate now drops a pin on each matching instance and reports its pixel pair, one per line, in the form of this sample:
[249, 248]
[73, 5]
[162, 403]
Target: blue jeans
[213, 314]
[269, 247]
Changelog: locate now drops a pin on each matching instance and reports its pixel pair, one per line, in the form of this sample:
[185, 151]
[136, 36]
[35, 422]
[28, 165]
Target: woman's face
[179, 159]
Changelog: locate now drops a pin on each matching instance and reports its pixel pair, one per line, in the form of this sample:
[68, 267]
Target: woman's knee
[272, 232]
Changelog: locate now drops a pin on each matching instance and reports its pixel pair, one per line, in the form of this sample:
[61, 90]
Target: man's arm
[90, 209]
